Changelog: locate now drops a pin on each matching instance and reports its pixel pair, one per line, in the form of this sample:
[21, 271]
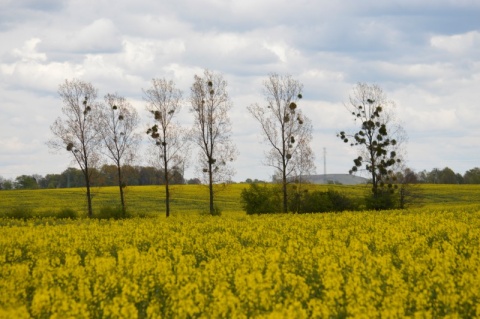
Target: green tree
[149, 175]
[7, 184]
[472, 176]
[72, 177]
[377, 139]
[448, 176]
[108, 175]
[25, 182]
[443, 176]
[50, 181]
[131, 175]
[259, 199]
[434, 176]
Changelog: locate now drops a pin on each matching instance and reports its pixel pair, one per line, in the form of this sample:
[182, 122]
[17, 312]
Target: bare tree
[285, 129]
[170, 139]
[211, 129]
[304, 163]
[118, 122]
[379, 139]
[78, 130]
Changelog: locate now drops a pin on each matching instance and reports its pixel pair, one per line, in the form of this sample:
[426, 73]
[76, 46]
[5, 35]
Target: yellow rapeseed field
[418, 263]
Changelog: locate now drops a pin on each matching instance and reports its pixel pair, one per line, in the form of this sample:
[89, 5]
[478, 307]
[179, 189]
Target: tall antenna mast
[325, 164]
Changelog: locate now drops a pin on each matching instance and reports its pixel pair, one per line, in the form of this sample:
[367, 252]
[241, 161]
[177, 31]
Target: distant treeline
[106, 176]
[148, 175]
[442, 176]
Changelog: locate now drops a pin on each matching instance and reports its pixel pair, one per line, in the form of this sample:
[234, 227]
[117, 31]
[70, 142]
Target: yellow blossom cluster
[418, 264]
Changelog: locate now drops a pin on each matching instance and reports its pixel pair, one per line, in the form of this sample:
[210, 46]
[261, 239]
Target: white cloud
[466, 43]
[279, 49]
[417, 71]
[139, 54]
[100, 35]
[33, 71]
[29, 51]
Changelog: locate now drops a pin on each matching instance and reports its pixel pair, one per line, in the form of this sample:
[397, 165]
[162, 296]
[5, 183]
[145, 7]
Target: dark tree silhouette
[472, 176]
[378, 138]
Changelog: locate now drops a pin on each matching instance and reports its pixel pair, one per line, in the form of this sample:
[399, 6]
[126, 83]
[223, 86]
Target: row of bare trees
[211, 131]
[89, 129]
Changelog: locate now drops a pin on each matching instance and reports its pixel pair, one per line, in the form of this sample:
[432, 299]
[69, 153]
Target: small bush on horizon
[260, 199]
[20, 212]
[67, 213]
[25, 213]
[382, 200]
[217, 211]
[264, 199]
[320, 202]
[111, 212]
[342, 202]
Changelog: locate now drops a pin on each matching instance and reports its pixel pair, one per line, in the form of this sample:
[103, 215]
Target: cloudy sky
[424, 54]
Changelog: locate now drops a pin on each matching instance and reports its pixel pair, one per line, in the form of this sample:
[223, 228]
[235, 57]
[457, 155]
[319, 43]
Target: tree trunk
[120, 186]
[167, 182]
[89, 197]
[284, 189]
[284, 170]
[374, 175]
[210, 188]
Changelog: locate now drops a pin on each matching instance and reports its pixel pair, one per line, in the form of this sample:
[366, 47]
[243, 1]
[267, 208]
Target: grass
[150, 200]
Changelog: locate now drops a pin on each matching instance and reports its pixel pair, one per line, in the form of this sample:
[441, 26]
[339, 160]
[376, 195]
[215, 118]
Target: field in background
[194, 198]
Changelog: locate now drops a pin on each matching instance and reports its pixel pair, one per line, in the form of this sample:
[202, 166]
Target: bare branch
[285, 129]
[118, 122]
[379, 139]
[211, 131]
[170, 142]
[77, 131]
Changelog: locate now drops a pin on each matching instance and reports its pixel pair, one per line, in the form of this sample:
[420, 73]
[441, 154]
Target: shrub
[20, 213]
[316, 202]
[67, 213]
[382, 200]
[217, 211]
[259, 199]
[111, 212]
[320, 202]
[340, 202]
